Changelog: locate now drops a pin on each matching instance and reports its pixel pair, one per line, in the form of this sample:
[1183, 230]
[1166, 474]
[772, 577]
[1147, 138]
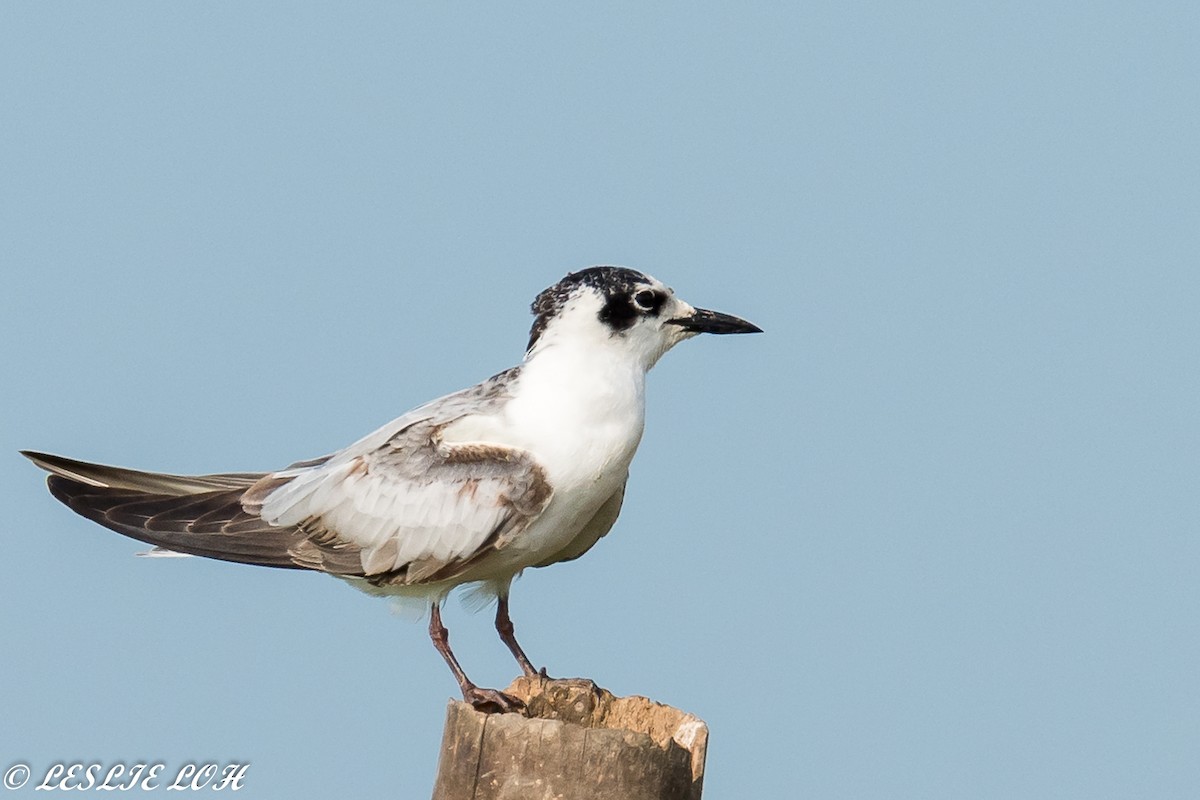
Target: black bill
[704, 321]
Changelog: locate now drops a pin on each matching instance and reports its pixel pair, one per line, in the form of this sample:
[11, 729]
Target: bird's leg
[485, 700]
[504, 627]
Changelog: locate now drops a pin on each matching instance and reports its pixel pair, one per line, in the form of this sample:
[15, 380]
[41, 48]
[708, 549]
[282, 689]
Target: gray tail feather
[104, 476]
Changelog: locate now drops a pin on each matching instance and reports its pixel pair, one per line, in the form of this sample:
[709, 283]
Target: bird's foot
[491, 701]
[530, 672]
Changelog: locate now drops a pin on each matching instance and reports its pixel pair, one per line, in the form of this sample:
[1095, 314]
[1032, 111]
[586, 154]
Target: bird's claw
[491, 701]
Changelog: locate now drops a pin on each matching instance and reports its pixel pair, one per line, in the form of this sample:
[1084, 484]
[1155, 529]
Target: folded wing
[405, 508]
[418, 510]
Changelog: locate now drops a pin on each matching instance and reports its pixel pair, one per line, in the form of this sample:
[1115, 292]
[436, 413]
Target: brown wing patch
[476, 453]
[531, 494]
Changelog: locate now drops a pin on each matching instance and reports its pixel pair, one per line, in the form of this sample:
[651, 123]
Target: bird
[525, 469]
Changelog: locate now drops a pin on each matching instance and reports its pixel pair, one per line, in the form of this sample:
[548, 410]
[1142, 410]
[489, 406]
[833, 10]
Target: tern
[526, 469]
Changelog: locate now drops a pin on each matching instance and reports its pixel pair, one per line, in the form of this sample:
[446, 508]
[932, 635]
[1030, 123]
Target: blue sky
[934, 534]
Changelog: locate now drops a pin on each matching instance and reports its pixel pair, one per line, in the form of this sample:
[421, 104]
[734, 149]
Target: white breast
[581, 415]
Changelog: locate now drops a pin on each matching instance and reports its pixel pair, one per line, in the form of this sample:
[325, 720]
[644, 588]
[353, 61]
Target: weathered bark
[574, 741]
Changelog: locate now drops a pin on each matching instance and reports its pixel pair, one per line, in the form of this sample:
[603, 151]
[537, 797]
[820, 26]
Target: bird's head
[624, 310]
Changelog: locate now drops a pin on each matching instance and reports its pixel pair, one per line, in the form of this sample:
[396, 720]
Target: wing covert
[416, 508]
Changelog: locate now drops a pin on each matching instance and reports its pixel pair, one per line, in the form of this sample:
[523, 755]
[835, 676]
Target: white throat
[576, 383]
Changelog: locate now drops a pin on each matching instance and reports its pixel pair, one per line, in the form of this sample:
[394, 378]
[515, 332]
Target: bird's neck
[581, 385]
[582, 412]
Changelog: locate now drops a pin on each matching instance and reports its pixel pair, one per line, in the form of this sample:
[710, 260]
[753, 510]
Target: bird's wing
[416, 509]
[398, 506]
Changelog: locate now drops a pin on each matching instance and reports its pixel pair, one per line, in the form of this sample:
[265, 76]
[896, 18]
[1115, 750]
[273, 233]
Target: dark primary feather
[201, 515]
[124, 478]
[210, 524]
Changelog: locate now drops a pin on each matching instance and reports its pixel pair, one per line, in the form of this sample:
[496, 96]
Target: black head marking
[617, 285]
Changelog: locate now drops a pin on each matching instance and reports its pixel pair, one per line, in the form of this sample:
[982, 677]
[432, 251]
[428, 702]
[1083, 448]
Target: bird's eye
[648, 300]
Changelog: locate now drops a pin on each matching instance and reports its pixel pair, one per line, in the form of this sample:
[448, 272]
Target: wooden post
[574, 741]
